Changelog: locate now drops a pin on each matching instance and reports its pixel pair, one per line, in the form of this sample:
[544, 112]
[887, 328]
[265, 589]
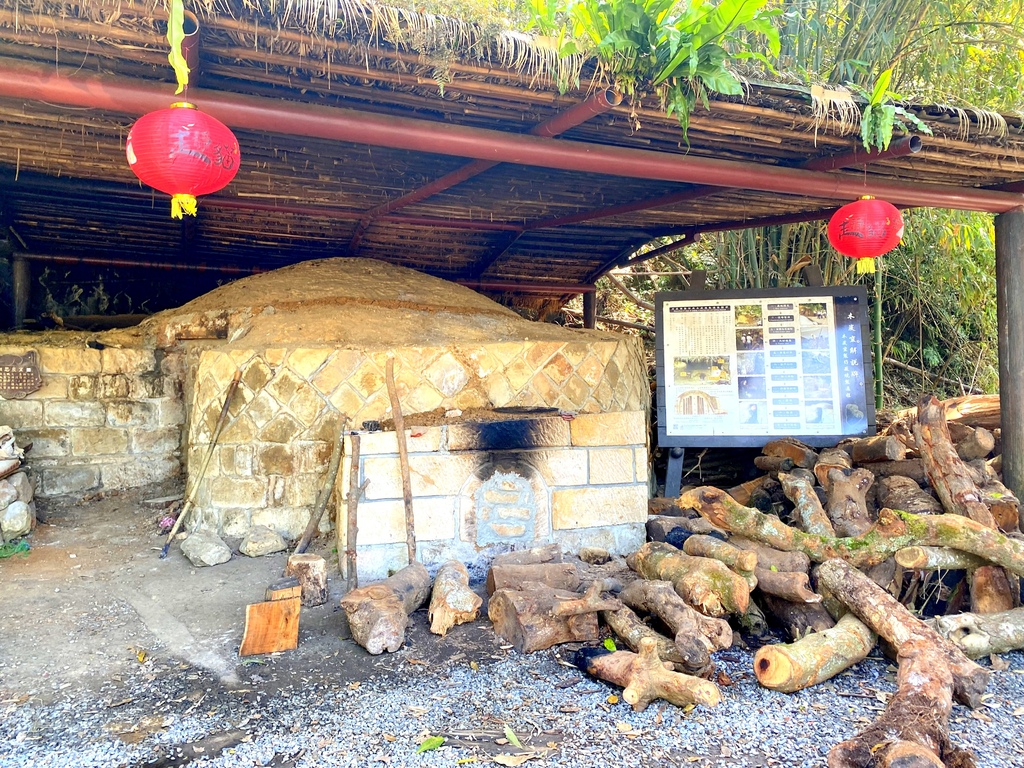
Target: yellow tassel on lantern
[182, 204]
[865, 266]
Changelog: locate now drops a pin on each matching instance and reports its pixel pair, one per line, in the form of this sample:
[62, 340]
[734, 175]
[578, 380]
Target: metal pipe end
[190, 45]
[609, 98]
[914, 144]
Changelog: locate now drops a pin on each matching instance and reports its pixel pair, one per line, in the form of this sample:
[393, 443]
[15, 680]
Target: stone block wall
[104, 418]
[585, 486]
[273, 454]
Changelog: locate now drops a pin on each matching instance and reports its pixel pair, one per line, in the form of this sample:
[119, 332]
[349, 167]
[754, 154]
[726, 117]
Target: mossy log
[814, 658]
[899, 492]
[706, 584]
[538, 617]
[937, 558]
[980, 635]
[808, 512]
[847, 501]
[913, 730]
[645, 678]
[740, 560]
[892, 532]
[754, 623]
[628, 627]
[829, 459]
[789, 585]
[659, 598]
[769, 557]
[452, 601]
[1000, 500]
[797, 619]
[379, 613]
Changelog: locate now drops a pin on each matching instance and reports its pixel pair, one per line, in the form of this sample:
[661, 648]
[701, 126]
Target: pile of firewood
[824, 545]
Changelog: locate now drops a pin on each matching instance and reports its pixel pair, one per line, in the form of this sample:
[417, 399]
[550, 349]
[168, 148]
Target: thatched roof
[67, 189]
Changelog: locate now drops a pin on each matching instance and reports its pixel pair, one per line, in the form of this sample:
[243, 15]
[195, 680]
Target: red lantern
[864, 230]
[184, 153]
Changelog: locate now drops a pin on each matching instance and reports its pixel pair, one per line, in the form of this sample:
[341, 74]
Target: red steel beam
[577, 114]
[256, 113]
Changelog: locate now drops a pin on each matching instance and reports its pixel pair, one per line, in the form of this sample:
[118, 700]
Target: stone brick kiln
[518, 432]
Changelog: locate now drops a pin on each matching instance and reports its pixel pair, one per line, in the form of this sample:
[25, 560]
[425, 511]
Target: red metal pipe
[109, 261]
[548, 289]
[257, 113]
[906, 145]
[600, 102]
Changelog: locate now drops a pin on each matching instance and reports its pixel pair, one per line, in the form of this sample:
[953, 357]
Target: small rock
[8, 493]
[595, 555]
[23, 485]
[261, 540]
[16, 520]
[205, 548]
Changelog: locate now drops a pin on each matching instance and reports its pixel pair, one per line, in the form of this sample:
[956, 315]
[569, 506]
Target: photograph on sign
[736, 367]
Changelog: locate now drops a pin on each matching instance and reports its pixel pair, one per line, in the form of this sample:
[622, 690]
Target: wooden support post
[1010, 316]
[590, 310]
[21, 279]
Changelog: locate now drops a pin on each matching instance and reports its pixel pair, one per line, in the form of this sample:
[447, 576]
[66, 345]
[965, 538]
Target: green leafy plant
[672, 48]
[880, 117]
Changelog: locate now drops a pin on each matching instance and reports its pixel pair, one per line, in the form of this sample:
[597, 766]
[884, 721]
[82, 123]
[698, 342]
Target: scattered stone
[8, 493]
[205, 548]
[261, 540]
[16, 520]
[23, 485]
[595, 555]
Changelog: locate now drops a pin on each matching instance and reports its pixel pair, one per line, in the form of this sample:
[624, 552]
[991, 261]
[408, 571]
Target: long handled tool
[190, 501]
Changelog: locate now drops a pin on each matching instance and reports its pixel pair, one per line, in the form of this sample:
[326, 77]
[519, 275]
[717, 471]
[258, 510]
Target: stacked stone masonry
[104, 418]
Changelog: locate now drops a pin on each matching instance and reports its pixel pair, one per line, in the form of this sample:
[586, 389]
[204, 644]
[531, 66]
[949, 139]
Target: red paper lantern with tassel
[864, 230]
[184, 153]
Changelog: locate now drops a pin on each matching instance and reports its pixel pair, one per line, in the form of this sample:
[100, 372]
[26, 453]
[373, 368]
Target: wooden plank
[271, 627]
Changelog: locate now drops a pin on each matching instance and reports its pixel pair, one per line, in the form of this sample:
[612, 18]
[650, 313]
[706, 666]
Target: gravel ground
[570, 719]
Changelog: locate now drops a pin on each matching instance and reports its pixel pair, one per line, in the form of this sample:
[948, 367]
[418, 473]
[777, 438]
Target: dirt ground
[93, 605]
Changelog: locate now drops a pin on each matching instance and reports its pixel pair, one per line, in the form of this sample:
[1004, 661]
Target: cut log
[829, 459]
[771, 558]
[659, 527]
[797, 619]
[271, 627]
[378, 614]
[847, 501]
[774, 463]
[628, 627]
[972, 410]
[879, 448]
[884, 614]
[452, 601]
[753, 622]
[740, 560]
[549, 553]
[283, 589]
[977, 445]
[979, 635]
[800, 454]
[893, 531]
[645, 678]
[948, 475]
[789, 585]
[311, 571]
[555, 575]
[815, 658]
[742, 491]
[539, 617]
[931, 672]
[706, 584]
[808, 512]
[902, 432]
[937, 558]
[1004, 506]
[898, 492]
[660, 599]
[912, 468]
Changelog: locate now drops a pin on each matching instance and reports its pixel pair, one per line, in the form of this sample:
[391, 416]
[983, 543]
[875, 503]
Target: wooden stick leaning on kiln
[403, 459]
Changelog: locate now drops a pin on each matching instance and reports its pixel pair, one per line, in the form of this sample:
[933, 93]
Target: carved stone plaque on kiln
[19, 375]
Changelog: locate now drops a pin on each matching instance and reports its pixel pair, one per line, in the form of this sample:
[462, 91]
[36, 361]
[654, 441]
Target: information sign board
[740, 368]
